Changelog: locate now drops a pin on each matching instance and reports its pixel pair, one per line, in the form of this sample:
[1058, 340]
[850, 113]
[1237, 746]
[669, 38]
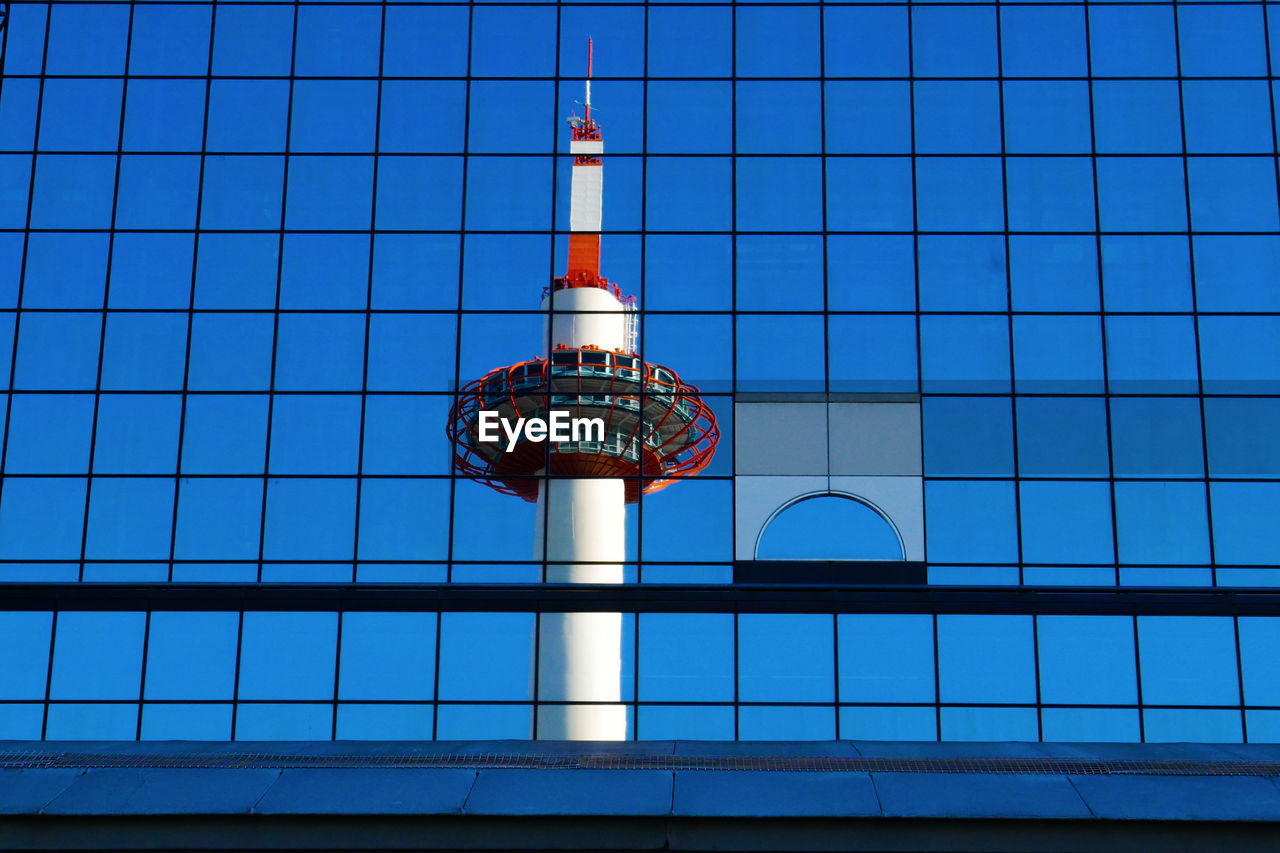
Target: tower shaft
[581, 520]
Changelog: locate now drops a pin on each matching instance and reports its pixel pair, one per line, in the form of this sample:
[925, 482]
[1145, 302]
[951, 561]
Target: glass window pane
[866, 194]
[1260, 660]
[283, 722]
[192, 656]
[786, 657]
[1188, 660]
[1190, 725]
[253, 40]
[1156, 437]
[384, 722]
[95, 721]
[1240, 354]
[186, 722]
[1141, 194]
[1091, 725]
[685, 657]
[697, 722]
[387, 656]
[960, 194]
[424, 41]
[1233, 193]
[392, 514]
[776, 41]
[954, 117]
[986, 659]
[1132, 41]
[764, 261]
[170, 39]
[954, 41]
[962, 273]
[310, 519]
[1053, 273]
[885, 658]
[875, 354]
[1244, 529]
[151, 271]
[513, 41]
[1148, 273]
[1062, 437]
[144, 351]
[130, 518]
[42, 518]
[971, 521]
[673, 54]
[218, 519]
[889, 723]
[965, 354]
[1240, 436]
[49, 434]
[1221, 41]
[1087, 659]
[485, 656]
[865, 41]
[324, 271]
[989, 724]
[287, 656]
[315, 434]
[968, 436]
[1162, 523]
[776, 722]
[1234, 273]
[1043, 41]
[1136, 116]
[1151, 355]
[338, 41]
[779, 194]
[97, 655]
[867, 118]
[24, 668]
[868, 273]
[1066, 522]
[87, 38]
[1042, 117]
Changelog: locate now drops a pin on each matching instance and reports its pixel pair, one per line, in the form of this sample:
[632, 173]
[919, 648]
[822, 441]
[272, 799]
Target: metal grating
[37, 760]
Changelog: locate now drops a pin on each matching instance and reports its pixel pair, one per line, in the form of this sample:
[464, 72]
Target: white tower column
[583, 522]
[580, 654]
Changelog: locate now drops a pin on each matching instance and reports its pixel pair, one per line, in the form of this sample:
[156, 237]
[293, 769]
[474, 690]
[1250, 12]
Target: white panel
[780, 438]
[586, 188]
[603, 322]
[875, 438]
[900, 499]
[755, 501]
[586, 146]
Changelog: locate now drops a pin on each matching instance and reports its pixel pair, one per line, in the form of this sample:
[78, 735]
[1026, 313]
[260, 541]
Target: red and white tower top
[586, 194]
[657, 431]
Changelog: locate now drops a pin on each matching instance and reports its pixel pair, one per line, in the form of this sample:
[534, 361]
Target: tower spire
[586, 194]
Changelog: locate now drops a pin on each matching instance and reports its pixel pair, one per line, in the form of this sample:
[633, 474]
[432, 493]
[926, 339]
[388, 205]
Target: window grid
[1208, 328]
[648, 697]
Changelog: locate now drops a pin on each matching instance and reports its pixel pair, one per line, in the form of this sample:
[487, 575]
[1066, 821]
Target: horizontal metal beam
[642, 598]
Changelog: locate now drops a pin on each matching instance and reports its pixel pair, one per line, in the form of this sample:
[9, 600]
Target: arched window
[829, 527]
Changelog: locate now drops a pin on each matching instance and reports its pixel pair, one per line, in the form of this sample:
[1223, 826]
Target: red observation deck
[657, 429]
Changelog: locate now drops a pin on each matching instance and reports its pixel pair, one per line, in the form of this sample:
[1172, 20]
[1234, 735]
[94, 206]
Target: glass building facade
[248, 251]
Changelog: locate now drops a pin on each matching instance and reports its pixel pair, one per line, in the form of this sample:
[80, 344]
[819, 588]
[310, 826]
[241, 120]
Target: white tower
[656, 430]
